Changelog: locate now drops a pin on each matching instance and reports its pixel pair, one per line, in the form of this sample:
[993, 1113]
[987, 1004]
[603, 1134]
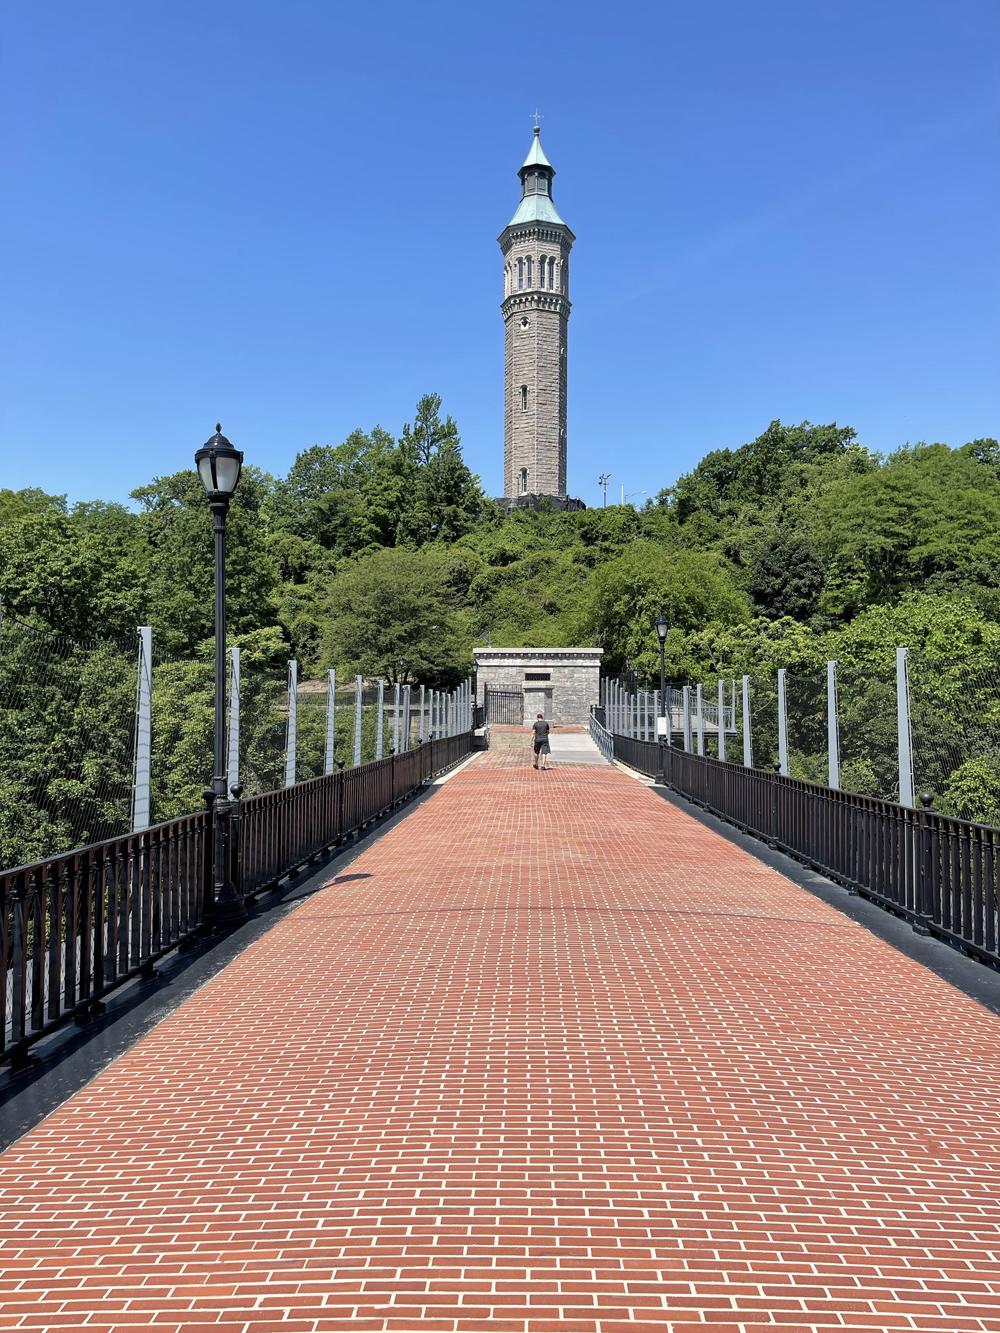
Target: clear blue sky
[284, 215]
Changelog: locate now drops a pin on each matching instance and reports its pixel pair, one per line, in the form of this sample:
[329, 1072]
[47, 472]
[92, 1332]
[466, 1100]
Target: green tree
[628, 593]
[174, 559]
[393, 613]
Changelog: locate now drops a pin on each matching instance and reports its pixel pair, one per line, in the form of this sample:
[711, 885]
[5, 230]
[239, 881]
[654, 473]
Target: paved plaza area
[548, 1056]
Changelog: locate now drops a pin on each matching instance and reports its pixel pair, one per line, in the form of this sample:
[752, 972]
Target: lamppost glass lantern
[662, 625]
[219, 466]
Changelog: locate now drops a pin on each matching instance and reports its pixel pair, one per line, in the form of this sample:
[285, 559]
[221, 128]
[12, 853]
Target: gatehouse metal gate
[504, 708]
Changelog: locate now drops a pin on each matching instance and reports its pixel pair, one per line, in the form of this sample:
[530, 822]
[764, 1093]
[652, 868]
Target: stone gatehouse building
[562, 683]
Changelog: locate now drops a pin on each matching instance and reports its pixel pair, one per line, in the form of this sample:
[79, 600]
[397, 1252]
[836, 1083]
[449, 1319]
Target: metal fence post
[395, 717]
[359, 690]
[406, 718]
[924, 868]
[421, 720]
[747, 738]
[903, 729]
[233, 759]
[331, 721]
[832, 727]
[700, 716]
[687, 719]
[143, 732]
[720, 723]
[380, 720]
[782, 724]
[292, 725]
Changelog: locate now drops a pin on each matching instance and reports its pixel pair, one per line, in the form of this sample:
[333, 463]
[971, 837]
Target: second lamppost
[662, 733]
[219, 466]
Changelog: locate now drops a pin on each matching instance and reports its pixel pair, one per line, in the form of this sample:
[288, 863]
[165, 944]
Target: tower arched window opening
[520, 274]
[524, 398]
[524, 481]
[552, 273]
[529, 271]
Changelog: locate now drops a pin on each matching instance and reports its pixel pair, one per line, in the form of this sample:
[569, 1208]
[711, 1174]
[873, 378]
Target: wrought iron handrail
[601, 737]
[940, 873]
[75, 926]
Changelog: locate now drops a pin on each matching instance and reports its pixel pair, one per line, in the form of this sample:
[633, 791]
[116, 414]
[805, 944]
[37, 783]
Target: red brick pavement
[548, 1056]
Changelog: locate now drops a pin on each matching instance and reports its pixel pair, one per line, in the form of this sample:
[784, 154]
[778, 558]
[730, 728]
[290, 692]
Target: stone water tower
[536, 245]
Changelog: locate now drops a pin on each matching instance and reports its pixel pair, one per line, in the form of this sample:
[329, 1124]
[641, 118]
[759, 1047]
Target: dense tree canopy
[382, 555]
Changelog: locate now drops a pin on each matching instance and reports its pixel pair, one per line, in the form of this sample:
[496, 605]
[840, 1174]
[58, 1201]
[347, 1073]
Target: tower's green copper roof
[536, 208]
[536, 154]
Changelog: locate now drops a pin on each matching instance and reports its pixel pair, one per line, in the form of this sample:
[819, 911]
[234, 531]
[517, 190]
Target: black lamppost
[662, 626]
[219, 466]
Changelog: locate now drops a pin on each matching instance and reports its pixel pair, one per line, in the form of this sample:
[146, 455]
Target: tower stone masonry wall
[535, 438]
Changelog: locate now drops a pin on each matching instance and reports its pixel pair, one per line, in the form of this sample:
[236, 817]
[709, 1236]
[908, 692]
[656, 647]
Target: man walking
[540, 741]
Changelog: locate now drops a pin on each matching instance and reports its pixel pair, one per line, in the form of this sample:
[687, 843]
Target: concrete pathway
[549, 1056]
[575, 748]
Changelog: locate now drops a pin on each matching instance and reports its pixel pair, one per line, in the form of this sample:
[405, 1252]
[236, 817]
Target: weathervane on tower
[536, 306]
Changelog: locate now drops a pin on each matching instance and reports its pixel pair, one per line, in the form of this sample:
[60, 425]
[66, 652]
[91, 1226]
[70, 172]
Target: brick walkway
[548, 1056]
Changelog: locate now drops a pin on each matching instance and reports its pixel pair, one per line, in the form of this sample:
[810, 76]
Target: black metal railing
[938, 872]
[75, 926]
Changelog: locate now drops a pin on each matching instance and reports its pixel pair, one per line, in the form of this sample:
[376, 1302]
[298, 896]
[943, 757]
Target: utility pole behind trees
[602, 481]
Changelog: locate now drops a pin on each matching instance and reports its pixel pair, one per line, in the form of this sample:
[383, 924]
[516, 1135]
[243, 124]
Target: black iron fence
[504, 708]
[74, 927]
[938, 872]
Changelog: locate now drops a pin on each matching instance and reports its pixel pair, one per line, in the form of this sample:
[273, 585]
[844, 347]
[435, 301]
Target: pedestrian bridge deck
[549, 1055]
